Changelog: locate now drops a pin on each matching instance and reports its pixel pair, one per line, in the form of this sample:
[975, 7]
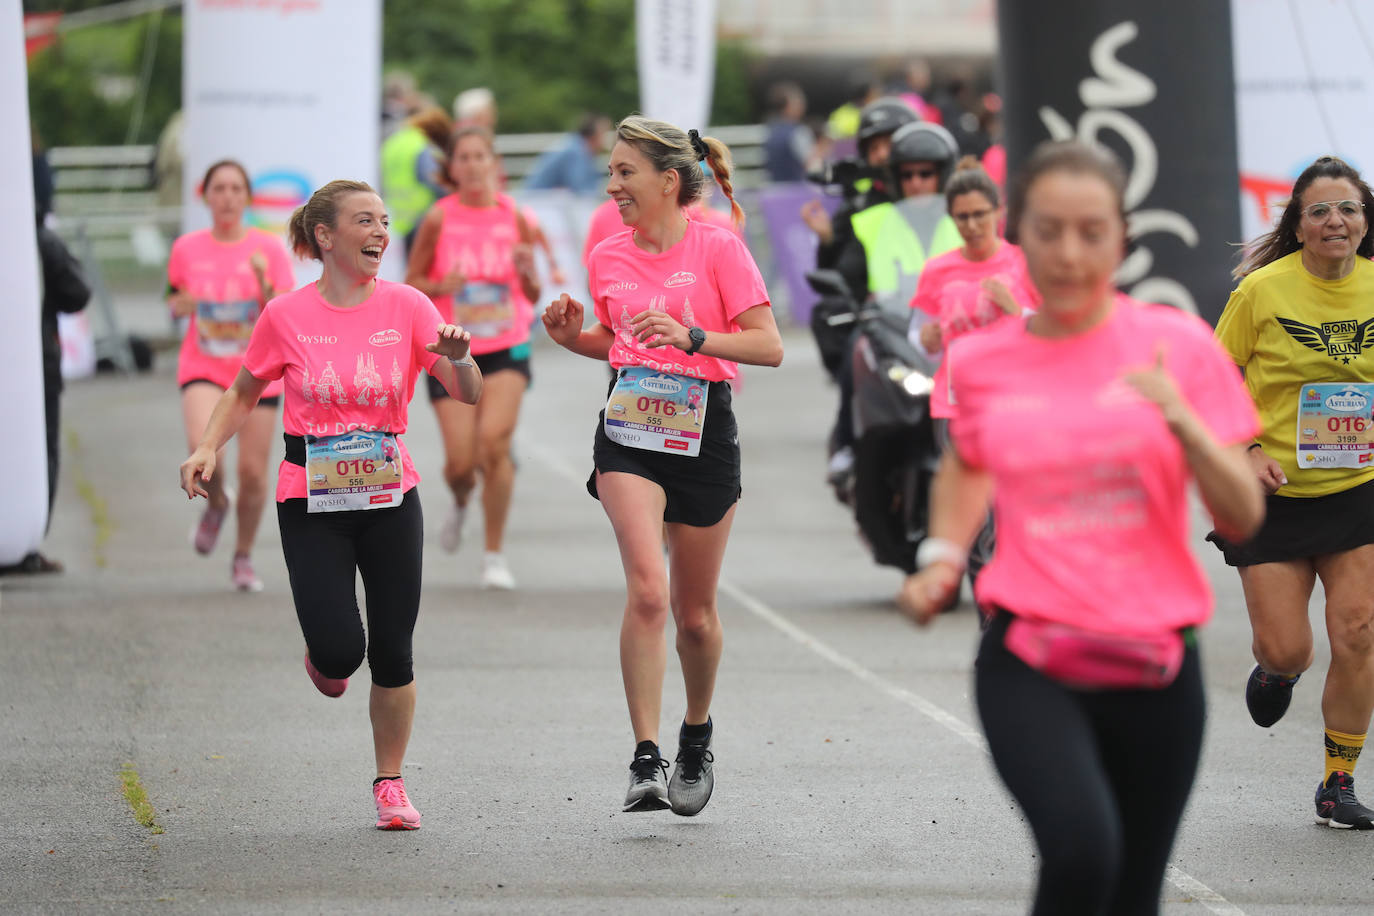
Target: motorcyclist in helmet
[878, 121]
[893, 239]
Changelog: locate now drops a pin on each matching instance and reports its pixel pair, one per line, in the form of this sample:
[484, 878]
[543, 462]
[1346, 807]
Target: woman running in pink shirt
[473, 256]
[679, 303]
[1085, 425]
[219, 279]
[349, 348]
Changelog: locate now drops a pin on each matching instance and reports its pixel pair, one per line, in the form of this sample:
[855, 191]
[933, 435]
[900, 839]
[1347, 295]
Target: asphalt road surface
[851, 775]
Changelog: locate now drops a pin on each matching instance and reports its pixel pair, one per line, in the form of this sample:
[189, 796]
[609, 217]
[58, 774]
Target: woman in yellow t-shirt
[1301, 327]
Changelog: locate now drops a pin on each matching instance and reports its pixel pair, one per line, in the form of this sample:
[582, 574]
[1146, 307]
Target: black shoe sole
[647, 803]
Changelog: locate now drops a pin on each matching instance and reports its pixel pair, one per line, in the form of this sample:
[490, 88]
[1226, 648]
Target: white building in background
[860, 28]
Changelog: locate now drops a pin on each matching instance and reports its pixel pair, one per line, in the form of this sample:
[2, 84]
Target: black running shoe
[693, 779]
[1267, 696]
[1338, 807]
[648, 783]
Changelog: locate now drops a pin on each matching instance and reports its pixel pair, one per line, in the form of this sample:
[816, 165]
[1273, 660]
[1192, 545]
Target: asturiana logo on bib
[660, 384]
[317, 339]
[681, 278]
[1348, 401]
[356, 444]
[385, 338]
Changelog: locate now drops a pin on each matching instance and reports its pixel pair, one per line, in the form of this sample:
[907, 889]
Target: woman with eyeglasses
[1301, 326]
[983, 280]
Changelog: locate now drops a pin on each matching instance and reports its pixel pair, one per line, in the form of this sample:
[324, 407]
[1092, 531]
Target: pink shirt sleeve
[424, 329]
[603, 314]
[1213, 384]
[737, 278]
[926, 289]
[279, 270]
[265, 358]
[962, 434]
[176, 269]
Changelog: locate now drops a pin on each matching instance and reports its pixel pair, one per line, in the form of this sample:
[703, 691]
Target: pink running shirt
[951, 289]
[1091, 488]
[344, 368]
[218, 275]
[706, 280]
[478, 241]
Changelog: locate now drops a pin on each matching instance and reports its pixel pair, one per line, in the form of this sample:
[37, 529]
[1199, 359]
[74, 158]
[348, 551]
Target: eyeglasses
[924, 174]
[976, 216]
[1318, 213]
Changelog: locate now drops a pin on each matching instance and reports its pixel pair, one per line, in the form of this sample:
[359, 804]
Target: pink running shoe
[329, 686]
[206, 532]
[244, 577]
[394, 810]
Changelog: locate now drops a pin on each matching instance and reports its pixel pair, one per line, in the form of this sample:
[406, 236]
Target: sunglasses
[924, 174]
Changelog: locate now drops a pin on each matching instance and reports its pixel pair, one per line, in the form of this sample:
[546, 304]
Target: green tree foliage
[547, 61]
[65, 104]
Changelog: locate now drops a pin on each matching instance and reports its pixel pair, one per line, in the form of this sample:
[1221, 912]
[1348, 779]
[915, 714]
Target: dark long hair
[1283, 240]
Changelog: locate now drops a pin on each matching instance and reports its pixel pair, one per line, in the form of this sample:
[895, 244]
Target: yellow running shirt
[1287, 329]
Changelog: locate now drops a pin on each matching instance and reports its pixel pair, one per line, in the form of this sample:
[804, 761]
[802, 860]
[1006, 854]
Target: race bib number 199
[1336, 425]
[357, 470]
[657, 411]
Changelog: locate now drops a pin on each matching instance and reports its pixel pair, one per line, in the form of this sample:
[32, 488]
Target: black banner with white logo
[1154, 83]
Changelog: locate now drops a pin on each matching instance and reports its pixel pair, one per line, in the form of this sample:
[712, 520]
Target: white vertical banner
[1304, 80]
[24, 486]
[289, 88]
[675, 43]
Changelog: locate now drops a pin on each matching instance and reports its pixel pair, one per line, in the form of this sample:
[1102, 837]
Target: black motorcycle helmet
[923, 141]
[883, 116]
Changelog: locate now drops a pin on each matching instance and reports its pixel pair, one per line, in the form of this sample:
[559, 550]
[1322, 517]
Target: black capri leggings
[1102, 776]
[322, 552]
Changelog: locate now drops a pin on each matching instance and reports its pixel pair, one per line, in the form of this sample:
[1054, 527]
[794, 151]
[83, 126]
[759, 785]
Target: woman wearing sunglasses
[1301, 326]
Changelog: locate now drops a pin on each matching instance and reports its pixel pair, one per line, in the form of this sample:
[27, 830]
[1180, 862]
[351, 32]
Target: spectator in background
[843, 123]
[400, 100]
[42, 177]
[913, 87]
[995, 156]
[64, 290]
[577, 163]
[789, 147]
[475, 108]
[412, 175]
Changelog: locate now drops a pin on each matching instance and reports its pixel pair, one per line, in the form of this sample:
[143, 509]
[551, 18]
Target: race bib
[1336, 425]
[357, 470]
[657, 411]
[225, 327]
[484, 309]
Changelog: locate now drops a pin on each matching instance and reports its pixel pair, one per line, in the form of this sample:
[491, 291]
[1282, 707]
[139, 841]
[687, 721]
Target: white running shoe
[451, 534]
[495, 573]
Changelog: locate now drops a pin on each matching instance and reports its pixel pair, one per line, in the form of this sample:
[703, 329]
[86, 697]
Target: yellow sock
[1342, 751]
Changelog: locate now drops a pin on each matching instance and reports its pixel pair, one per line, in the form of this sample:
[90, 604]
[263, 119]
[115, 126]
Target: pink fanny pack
[1093, 660]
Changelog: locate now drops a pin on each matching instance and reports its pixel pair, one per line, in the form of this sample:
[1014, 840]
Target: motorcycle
[897, 448]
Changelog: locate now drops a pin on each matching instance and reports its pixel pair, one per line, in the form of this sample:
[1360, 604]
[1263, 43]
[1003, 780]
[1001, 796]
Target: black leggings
[324, 551]
[1102, 776]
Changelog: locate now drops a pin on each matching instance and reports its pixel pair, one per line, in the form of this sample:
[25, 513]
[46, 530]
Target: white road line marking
[1177, 877]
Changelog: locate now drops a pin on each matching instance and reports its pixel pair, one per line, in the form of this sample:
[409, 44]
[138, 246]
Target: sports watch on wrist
[698, 337]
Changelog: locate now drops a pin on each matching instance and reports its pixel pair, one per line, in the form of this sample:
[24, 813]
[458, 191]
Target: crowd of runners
[1078, 417]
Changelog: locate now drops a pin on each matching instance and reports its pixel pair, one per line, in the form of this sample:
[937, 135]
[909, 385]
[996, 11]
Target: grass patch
[138, 798]
[100, 513]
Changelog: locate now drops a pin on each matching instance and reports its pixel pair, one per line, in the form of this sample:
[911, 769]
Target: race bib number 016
[224, 328]
[357, 470]
[657, 411]
[1336, 425]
